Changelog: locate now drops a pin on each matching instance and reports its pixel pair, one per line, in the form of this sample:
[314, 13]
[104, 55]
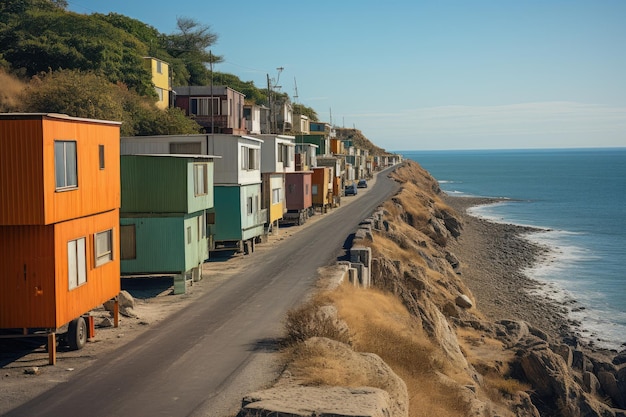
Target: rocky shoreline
[496, 255]
[493, 257]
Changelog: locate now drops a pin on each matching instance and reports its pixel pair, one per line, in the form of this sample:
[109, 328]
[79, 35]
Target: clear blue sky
[458, 74]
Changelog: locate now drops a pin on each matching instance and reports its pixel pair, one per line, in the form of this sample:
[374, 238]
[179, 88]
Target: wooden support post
[52, 348]
[91, 327]
[116, 312]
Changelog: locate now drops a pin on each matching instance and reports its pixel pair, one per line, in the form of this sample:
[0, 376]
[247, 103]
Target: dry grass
[308, 321]
[381, 324]
[10, 93]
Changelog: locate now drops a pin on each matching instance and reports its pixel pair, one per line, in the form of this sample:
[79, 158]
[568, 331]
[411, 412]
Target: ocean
[578, 196]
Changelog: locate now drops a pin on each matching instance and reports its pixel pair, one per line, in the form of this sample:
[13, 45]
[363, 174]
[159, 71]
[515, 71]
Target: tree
[52, 40]
[248, 88]
[190, 45]
[306, 111]
[89, 95]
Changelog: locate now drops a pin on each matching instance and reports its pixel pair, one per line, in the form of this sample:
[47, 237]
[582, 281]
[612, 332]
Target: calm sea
[579, 195]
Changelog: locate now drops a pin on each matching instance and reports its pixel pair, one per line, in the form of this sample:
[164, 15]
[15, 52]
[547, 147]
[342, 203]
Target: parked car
[351, 189]
[362, 184]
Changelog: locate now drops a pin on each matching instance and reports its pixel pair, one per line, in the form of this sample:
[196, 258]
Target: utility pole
[211, 107]
[269, 100]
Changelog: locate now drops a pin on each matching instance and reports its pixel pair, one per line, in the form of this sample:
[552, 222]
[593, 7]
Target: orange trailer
[59, 222]
[322, 185]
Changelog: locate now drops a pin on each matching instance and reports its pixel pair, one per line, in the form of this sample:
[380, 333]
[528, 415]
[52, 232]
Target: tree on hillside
[248, 88]
[89, 95]
[13, 9]
[190, 45]
[306, 111]
[43, 40]
[74, 93]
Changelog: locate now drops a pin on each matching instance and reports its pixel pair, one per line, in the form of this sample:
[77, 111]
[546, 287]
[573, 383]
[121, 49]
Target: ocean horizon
[577, 197]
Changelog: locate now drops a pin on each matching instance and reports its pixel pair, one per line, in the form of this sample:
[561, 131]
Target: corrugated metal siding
[154, 184]
[98, 189]
[103, 282]
[196, 250]
[160, 245]
[21, 172]
[320, 177]
[228, 213]
[27, 175]
[296, 195]
[27, 283]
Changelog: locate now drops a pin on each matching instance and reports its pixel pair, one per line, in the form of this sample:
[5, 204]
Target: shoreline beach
[493, 259]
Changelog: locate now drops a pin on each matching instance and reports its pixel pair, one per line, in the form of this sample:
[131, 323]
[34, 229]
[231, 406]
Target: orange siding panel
[27, 277]
[103, 282]
[98, 189]
[21, 172]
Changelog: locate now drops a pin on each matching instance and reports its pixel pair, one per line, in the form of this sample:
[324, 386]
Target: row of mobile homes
[163, 217]
[59, 223]
[237, 220]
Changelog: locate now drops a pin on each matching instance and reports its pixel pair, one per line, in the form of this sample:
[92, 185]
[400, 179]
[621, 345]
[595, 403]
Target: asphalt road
[203, 359]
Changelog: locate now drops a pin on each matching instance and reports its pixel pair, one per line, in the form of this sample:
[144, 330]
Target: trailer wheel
[77, 334]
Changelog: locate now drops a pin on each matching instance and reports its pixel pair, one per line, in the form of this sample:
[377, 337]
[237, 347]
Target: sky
[426, 75]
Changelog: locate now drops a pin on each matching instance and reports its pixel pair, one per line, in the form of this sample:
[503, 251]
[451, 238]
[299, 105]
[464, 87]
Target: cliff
[416, 344]
[359, 140]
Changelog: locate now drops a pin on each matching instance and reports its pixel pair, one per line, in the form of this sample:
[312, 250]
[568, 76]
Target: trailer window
[103, 246]
[276, 196]
[201, 179]
[128, 248]
[65, 167]
[76, 264]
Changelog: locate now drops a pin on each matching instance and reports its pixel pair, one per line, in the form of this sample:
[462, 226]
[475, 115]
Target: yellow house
[160, 71]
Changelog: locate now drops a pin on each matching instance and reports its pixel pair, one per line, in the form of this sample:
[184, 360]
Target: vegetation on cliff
[359, 140]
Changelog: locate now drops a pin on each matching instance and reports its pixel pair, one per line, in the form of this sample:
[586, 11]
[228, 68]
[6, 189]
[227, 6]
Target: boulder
[620, 358]
[565, 352]
[555, 388]
[610, 387]
[384, 393]
[126, 304]
[126, 300]
[306, 401]
[464, 301]
[591, 383]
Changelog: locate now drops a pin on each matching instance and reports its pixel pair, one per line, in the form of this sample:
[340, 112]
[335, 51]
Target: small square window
[103, 245]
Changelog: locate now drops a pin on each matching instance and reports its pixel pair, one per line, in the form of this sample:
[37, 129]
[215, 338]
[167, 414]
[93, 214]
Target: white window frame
[65, 164]
[203, 106]
[250, 158]
[103, 247]
[76, 262]
[276, 196]
[200, 179]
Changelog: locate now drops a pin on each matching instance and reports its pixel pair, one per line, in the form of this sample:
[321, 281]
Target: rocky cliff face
[417, 345]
